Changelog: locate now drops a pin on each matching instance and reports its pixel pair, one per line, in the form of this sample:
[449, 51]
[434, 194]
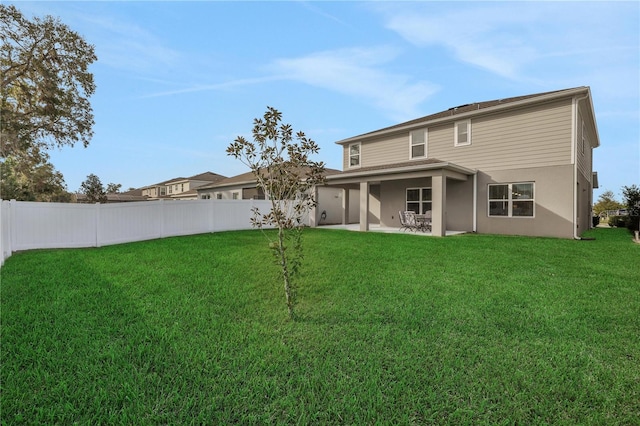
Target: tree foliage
[113, 188]
[281, 164]
[45, 84]
[632, 198]
[31, 177]
[94, 191]
[606, 201]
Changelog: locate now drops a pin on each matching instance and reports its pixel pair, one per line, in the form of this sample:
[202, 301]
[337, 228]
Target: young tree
[606, 201]
[284, 172]
[93, 189]
[45, 84]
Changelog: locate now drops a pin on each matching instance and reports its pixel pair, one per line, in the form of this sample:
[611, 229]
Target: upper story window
[462, 133]
[511, 199]
[584, 137]
[354, 155]
[418, 142]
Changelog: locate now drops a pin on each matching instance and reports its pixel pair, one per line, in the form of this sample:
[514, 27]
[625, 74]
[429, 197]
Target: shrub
[618, 221]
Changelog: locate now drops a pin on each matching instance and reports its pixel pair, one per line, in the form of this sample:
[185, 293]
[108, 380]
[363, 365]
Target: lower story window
[418, 200]
[511, 199]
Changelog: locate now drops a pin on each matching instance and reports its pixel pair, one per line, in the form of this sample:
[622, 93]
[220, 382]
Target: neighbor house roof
[461, 111]
[206, 176]
[246, 179]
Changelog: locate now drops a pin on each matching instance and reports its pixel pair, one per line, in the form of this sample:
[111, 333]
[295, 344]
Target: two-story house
[520, 166]
[181, 188]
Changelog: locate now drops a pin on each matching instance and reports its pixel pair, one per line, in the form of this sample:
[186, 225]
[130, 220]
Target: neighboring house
[121, 197]
[244, 187]
[520, 166]
[181, 188]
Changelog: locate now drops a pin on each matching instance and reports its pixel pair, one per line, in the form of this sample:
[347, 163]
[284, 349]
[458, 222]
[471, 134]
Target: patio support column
[313, 218]
[438, 204]
[364, 206]
[345, 206]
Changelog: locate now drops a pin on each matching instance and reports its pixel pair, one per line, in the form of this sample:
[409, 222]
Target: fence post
[98, 236]
[211, 209]
[12, 226]
[161, 204]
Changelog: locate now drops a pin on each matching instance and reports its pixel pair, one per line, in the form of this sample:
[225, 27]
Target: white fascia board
[405, 169]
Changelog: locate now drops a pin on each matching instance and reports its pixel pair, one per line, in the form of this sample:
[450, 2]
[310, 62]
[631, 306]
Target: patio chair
[407, 221]
[425, 222]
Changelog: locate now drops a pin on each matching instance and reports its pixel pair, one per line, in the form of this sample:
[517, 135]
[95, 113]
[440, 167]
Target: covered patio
[383, 191]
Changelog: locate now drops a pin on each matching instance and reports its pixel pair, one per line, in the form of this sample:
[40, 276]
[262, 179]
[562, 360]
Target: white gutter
[574, 145]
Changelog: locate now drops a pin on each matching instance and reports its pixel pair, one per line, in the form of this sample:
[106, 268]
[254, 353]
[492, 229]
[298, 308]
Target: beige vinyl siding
[377, 152]
[534, 137]
[583, 159]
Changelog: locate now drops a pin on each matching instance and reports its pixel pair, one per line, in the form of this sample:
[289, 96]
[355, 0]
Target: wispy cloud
[127, 46]
[211, 87]
[507, 38]
[359, 72]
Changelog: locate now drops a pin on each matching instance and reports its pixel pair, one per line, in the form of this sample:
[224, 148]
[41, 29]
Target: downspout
[574, 153]
[475, 201]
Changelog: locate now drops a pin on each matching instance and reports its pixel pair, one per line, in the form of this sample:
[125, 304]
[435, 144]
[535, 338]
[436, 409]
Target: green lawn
[401, 329]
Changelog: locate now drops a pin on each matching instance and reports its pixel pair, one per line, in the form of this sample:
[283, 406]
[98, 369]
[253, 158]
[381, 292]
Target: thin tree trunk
[285, 272]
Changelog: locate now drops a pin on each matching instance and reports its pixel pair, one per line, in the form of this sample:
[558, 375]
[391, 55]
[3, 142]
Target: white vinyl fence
[29, 225]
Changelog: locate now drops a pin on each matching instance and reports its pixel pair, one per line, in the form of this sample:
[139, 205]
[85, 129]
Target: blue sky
[178, 81]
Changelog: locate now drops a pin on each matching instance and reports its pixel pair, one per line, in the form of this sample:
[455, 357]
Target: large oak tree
[45, 87]
[45, 84]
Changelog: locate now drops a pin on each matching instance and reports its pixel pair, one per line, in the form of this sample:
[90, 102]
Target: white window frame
[235, 195]
[421, 201]
[584, 137]
[510, 200]
[358, 155]
[456, 133]
[424, 143]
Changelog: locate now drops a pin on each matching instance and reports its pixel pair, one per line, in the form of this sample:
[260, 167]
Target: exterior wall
[387, 150]
[393, 196]
[553, 194]
[459, 208]
[227, 192]
[536, 136]
[330, 201]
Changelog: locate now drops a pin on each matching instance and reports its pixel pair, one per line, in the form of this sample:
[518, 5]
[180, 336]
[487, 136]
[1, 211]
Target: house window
[218, 196]
[354, 155]
[511, 199]
[418, 141]
[418, 200]
[206, 196]
[462, 133]
[235, 195]
[584, 137]
[170, 189]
